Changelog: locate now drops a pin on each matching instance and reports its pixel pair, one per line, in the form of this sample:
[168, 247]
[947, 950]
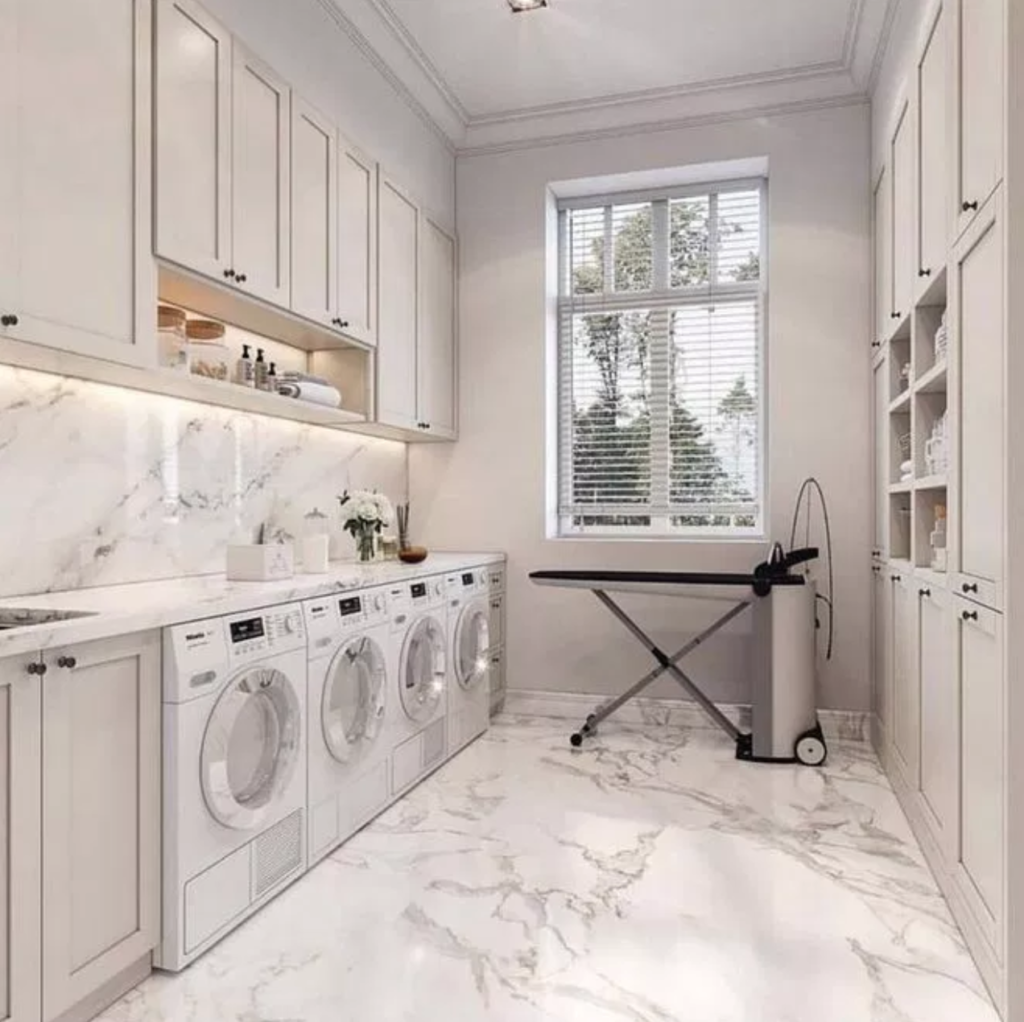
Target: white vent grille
[277, 853]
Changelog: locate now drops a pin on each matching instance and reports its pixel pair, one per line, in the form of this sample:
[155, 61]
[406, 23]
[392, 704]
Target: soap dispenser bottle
[272, 378]
[260, 371]
[244, 374]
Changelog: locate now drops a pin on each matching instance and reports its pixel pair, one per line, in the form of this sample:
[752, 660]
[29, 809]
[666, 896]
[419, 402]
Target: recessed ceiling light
[519, 6]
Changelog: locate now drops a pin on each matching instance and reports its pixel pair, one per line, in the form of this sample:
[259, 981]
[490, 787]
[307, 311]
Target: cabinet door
[906, 723]
[881, 638]
[883, 256]
[932, 162]
[260, 188]
[983, 750]
[397, 322]
[8, 166]
[436, 362]
[979, 371]
[357, 244]
[980, 41]
[903, 250]
[20, 851]
[880, 427]
[101, 815]
[193, 138]
[314, 219]
[81, 130]
[940, 717]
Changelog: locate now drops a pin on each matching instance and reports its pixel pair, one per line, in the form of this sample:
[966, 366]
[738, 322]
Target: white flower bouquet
[365, 514]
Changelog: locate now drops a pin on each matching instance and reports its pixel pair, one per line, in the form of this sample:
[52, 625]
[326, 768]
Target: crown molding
[885, 38]
[662, 125]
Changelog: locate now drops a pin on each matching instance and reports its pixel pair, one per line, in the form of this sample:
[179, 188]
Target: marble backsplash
[100, 485]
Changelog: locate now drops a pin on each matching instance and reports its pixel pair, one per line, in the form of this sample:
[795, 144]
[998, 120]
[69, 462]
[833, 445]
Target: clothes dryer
[469, 649]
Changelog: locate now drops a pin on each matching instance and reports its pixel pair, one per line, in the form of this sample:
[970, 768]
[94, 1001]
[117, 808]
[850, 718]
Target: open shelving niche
[914, 410]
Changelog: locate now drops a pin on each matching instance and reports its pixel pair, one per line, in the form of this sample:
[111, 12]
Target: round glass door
[472, 641]
[423, 671]
[251, 747]
[354, 699]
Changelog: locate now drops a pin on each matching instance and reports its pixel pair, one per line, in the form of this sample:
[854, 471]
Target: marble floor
[648, 878]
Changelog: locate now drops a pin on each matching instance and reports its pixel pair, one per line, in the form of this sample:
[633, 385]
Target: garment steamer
[783, 602]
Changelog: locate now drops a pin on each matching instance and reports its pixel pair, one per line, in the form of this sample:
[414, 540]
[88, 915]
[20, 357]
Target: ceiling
[489, 77]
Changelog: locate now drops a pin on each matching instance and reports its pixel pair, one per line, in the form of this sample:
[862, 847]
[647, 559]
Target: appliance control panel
[264, 633]
[428, 592]
[466, 583]
[331, 617]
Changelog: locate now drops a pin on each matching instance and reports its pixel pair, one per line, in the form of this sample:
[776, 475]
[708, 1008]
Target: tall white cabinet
[940, 381]
[74, 182]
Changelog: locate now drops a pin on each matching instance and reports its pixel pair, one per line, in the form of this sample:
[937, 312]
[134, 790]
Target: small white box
[260, 563]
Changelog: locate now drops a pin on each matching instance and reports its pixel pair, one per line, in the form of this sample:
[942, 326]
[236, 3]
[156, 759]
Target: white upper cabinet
[193, 138]
[903, 247]
[398, 240]
[261, 195]
[357, 244]
[436, 377]
[977, 307]
[314, 214]
[979, 42]
[883, 257]
[932, 160]
[74, 114]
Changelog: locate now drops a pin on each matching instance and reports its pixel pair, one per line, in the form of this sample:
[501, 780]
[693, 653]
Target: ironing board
[785, 724]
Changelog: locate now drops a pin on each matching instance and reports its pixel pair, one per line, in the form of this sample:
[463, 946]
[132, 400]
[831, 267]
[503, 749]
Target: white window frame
[665, 298]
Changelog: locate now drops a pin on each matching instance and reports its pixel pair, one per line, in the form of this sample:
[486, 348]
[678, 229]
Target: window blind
[660, 362]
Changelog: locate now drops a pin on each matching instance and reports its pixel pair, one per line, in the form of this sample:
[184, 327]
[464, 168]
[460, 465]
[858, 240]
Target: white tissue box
[251, 563]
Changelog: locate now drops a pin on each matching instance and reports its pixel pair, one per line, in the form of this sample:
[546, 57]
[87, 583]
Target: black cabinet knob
[343, 323]
[925, 592]
[894, 315]
[38, 668]
[68, 662]
[876, 344]
[897, 578]
[241, 278]
[924, 273]
[970, 587]
[229, 274]
[970, 615]
[8, 320]
[968, 206]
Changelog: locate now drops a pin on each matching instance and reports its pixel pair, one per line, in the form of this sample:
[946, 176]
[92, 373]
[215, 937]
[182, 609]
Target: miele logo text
[195, 636]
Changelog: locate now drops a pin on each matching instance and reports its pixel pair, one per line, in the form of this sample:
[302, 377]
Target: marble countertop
[123, 609]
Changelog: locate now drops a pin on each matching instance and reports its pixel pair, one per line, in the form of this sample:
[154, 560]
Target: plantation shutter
[660, 362]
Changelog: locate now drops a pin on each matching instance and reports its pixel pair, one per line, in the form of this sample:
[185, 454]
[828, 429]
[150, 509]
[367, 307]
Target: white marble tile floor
[647, 878]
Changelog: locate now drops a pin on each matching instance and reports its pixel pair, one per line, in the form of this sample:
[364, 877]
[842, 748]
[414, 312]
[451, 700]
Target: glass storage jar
[209, 356]
[172, 342]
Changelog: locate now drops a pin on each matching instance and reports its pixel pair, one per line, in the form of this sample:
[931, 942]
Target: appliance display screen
[418, 590]
[467, 579]
[241, 631]
[353, 605]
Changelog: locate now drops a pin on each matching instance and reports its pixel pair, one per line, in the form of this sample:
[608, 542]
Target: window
[660, 363]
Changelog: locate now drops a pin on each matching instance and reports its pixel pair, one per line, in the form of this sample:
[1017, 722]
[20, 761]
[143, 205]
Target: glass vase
[366, 545]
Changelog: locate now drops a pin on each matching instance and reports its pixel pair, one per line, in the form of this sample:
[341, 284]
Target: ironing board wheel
[810, 748]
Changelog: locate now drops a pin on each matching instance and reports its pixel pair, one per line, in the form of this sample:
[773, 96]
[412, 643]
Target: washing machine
[419, 632]
[234, 784]
[469, 647]
[351, 681]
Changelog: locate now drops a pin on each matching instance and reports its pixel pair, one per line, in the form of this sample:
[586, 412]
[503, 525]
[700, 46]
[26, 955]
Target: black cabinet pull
[38, 669]
[969, 615]
[8, 320]
[229, 274]
[68, 662]
[241, 278]
[876, 344]
[968, 206]
[343, 323]
[894, 315]
[925, 592]
[897, 578]
[970, 587]
[924, 273]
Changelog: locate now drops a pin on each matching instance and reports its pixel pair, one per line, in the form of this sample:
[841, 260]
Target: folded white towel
[314, 393]
[291, 376]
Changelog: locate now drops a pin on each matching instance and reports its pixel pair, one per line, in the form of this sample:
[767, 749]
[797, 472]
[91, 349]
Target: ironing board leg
[665, 664]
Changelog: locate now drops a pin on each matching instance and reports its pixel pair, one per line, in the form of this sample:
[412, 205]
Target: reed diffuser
[406, 552]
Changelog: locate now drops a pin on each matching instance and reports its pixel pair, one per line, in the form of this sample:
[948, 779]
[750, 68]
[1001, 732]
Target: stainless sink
[19, 617]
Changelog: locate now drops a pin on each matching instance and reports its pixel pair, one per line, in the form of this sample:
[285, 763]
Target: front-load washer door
[422, 676]
[355, 695]
[472, 643]
[251, 747]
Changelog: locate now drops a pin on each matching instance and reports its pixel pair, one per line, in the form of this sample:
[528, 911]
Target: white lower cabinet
[940, 716]
[881, 637]
[20, 853]
[983, 754]
[79, 826]
[906, 710]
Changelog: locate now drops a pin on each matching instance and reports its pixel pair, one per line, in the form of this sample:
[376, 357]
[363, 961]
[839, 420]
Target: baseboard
[111, 991]
[846, 725]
